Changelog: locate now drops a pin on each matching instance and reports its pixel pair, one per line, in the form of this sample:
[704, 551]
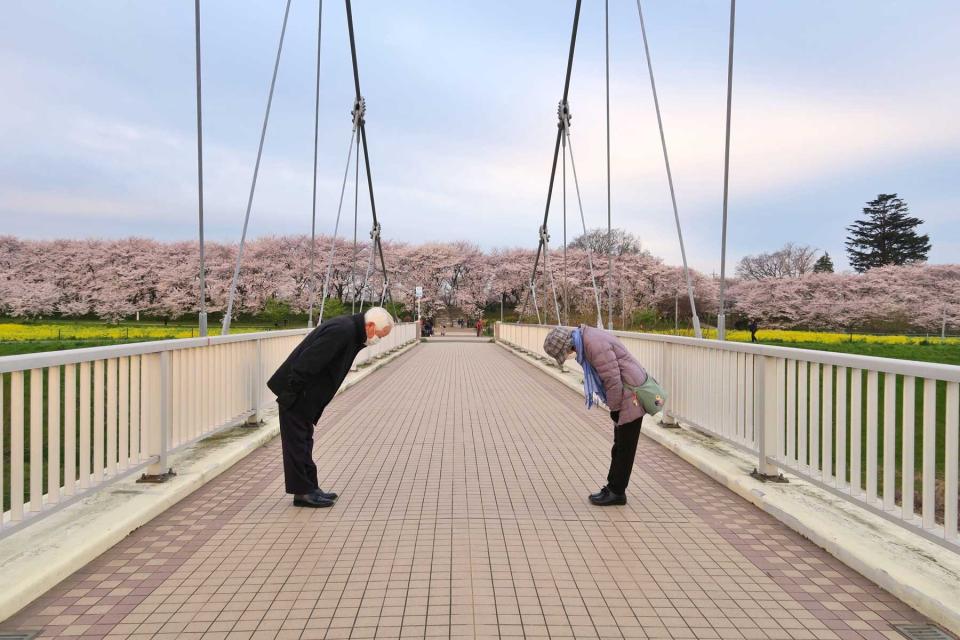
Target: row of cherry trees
[918, 297]
[113, 279]
[117, 278]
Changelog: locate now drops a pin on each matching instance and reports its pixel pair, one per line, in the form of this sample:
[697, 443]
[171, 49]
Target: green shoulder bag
[650, 395]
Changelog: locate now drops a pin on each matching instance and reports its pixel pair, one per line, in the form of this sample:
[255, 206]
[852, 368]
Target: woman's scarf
[592, 385]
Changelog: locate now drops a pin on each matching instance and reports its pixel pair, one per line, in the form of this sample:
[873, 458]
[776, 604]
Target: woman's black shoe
[324, 494]
[311, 500]
[609, 499]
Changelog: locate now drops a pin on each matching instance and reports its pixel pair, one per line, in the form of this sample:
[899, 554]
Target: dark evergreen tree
[886, 236]
[823, 264]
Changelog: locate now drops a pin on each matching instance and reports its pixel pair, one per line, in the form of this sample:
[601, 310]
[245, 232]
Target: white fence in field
[72, 421]
[865, 428]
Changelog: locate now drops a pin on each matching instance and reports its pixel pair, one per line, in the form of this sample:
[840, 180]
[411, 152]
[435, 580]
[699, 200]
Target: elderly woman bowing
[612, 376]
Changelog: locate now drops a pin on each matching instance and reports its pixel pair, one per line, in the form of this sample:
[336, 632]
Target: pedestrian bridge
[463, 471]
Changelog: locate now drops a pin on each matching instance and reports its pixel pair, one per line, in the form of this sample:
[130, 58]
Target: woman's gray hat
[559, 343]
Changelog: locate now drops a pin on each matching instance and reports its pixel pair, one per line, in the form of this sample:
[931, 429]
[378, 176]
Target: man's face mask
[372, 341]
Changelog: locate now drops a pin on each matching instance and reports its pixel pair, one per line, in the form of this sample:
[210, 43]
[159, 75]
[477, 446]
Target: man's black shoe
[324, 494]
[609, 500]
[599, 494]
[311, 500]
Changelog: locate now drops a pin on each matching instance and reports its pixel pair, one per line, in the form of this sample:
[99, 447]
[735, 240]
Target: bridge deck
[464, 474]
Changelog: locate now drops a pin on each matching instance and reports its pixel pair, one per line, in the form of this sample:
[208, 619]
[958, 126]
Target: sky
[833, 103]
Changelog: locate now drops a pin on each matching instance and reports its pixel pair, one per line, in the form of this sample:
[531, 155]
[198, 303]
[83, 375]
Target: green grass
[941, 353]
[38, 346]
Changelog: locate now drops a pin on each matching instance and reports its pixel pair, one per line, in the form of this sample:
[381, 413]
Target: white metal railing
[880, 432]
[71, 421]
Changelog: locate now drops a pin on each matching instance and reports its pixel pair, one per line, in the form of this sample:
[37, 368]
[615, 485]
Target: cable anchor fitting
[359, 112]
[375, 232]
[544, 235]
[563, 115]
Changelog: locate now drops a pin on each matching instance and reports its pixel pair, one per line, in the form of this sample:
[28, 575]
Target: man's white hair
[380, 318]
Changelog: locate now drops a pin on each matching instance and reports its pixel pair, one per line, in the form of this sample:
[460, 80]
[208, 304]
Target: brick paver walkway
[464, 474]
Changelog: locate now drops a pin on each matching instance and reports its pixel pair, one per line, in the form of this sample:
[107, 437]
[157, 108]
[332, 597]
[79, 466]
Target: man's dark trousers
[625, 437]
[296, 439]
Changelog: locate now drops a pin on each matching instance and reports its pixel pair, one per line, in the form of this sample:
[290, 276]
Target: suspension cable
[313, 216]
[203, 269]
[374, 243]
[359, 108]
[533, 291]
[721, 315]
[253, 184]
[363, 133]
[566, 301]
[556, 147]
[606, 38]
[336, 228]
[363, 288]
[583, 222]
[545, 239]
[666, 163]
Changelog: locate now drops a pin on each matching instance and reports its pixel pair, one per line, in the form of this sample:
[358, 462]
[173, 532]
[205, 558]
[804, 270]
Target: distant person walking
[753, 326]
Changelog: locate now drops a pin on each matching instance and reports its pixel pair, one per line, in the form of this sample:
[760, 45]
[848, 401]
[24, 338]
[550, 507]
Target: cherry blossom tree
[115, 279]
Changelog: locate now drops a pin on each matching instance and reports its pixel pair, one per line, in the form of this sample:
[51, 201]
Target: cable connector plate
[359, 112]
[563, 115]
[544, 234]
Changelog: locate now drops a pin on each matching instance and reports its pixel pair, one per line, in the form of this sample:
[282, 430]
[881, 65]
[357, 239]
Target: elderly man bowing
[306, 382]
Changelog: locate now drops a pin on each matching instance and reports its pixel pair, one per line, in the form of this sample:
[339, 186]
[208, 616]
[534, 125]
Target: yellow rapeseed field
[822, 337]
[66, 331]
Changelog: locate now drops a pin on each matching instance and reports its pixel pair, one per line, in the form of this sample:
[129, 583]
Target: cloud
[31, 205]
[471, 161]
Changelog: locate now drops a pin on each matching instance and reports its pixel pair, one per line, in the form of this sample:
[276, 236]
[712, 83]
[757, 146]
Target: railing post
[667, 420]
[161, 405]
[765, 414]
[257, 416]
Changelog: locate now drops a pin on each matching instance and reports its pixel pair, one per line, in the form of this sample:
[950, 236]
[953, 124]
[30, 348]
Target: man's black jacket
[310, 376]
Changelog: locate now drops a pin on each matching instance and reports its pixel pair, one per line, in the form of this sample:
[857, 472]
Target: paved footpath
[464, 474]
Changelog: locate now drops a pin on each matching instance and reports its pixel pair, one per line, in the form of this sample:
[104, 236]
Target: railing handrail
[128, 406]
[28, 361]
[945, 372]
[814, 415]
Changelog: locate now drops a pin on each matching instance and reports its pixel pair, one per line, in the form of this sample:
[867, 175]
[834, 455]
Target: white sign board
[419, 292]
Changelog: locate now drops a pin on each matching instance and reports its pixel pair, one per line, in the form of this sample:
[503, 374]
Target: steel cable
[336, 228]
[253, 184]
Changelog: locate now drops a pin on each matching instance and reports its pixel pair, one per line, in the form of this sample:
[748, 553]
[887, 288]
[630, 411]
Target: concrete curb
[921, 573]
[40, 556]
